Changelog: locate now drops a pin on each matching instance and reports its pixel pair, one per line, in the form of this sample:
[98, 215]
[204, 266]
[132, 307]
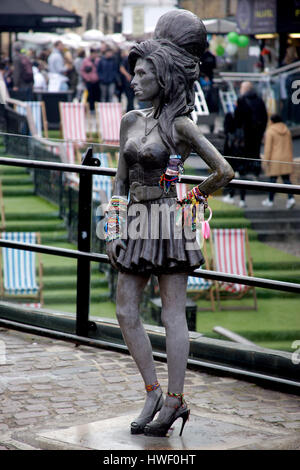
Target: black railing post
[84, 244]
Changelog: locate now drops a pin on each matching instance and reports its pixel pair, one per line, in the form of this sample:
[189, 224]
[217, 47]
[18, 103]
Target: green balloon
[233, 37]
[243, 41]
[220, 50]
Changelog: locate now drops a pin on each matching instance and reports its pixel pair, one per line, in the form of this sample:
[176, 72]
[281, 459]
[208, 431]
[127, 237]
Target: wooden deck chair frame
[76, 145]
[220, 293]
[44, 118]
[208, 293]
[39, 296]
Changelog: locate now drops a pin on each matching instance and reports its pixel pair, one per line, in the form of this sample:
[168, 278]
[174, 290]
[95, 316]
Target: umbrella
[219, 26]
[25, 15]
[40, 39]
[93, 35]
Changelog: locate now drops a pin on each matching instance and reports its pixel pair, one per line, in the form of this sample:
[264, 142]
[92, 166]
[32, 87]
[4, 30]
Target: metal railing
[85, 331]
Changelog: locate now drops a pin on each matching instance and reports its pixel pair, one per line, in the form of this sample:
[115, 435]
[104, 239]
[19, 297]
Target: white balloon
[231, 49]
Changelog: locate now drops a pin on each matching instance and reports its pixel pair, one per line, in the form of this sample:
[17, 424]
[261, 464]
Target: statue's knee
[126, 319]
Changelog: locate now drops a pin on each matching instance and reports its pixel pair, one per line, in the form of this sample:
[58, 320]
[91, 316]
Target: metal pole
[84, 244]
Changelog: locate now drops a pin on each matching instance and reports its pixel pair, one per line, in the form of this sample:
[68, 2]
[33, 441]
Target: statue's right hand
[113, 249]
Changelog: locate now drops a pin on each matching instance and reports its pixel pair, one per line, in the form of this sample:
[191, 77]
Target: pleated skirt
[158, 241]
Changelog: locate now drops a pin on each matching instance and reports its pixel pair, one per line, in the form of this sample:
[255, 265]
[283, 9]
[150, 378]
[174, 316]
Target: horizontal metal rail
[205, 273]
[237, 184]
[192, 362]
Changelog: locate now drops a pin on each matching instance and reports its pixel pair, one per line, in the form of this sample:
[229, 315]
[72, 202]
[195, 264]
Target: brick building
[105, 15]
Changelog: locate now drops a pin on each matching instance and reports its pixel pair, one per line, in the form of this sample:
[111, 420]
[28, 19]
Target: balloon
[243, 41]
[231, 49]
[232, 37]
[220, 50]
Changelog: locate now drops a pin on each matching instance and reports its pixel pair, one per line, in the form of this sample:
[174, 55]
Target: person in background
[57, 68]
[126, 80]
[22, 73]
[208, 64]
[108, 71]
[71, 73]
[39, 76]
[278, 157]
[8, 74]
[77, 64]
[89, 74]
[250, 119]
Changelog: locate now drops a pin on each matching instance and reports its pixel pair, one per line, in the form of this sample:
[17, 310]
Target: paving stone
[65, 411]
[30, 414]
[42, 386]
[71, 386]
[272, 419]
[3, 427]
[38, 407]
[18, 388]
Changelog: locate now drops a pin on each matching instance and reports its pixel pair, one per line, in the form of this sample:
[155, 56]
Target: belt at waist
[139, 193]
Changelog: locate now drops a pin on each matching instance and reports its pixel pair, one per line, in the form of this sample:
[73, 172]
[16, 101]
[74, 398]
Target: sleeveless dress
[155, 243]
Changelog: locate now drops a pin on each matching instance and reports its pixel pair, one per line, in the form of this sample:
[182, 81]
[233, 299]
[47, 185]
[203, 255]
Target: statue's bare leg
[173, 295]
[129, 294]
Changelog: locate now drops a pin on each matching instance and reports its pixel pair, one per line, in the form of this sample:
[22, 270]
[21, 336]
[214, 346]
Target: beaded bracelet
[172, 174]
[116, 217]
[195, 196]
[193, 199]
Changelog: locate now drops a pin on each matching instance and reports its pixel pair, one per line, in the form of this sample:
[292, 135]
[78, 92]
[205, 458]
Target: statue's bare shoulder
[131, 118]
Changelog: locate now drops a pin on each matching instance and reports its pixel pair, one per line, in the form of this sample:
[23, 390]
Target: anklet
[179, 396]
[151, 387]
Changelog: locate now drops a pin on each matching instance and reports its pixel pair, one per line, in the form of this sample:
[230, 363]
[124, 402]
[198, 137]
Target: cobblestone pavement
[48, 385]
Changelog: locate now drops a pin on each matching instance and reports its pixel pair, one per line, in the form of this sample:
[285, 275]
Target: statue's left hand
[113, 249]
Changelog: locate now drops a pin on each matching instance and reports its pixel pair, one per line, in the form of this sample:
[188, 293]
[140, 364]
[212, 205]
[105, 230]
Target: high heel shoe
[159, 428]
[137, 426]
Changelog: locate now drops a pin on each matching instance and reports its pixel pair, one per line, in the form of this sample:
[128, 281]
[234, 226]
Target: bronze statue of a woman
[154, 143]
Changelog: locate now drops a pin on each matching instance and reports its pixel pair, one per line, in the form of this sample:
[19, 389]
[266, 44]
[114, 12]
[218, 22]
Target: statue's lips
[137, 91]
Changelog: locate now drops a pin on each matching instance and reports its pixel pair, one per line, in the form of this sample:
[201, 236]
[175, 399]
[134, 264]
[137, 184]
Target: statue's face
[144, 82]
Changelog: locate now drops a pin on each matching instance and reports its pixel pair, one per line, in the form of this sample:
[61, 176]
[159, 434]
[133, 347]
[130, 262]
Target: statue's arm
[121, 188]
[188, 133]
[121, 183]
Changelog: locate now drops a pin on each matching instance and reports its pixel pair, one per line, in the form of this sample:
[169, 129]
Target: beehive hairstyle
[179, 42]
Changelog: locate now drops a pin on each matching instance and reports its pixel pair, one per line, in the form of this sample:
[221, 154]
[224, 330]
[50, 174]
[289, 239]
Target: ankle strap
[179, 396]
[151, 387]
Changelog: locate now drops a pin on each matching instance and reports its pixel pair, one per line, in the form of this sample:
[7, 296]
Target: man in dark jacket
[108, 71]
[22, 74]
[251, 120]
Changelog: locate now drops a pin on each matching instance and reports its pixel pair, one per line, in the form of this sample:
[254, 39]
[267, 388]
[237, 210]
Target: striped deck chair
[228, 100]
[200, 106]
[38, 113]
[102, 184]
[2, 209]
[18, 272]
[109, 117]
[201, 287]
[73, 128]
[231, 255]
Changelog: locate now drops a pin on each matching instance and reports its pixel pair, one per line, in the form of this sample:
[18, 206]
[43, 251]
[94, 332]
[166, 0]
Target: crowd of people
[102, 72]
